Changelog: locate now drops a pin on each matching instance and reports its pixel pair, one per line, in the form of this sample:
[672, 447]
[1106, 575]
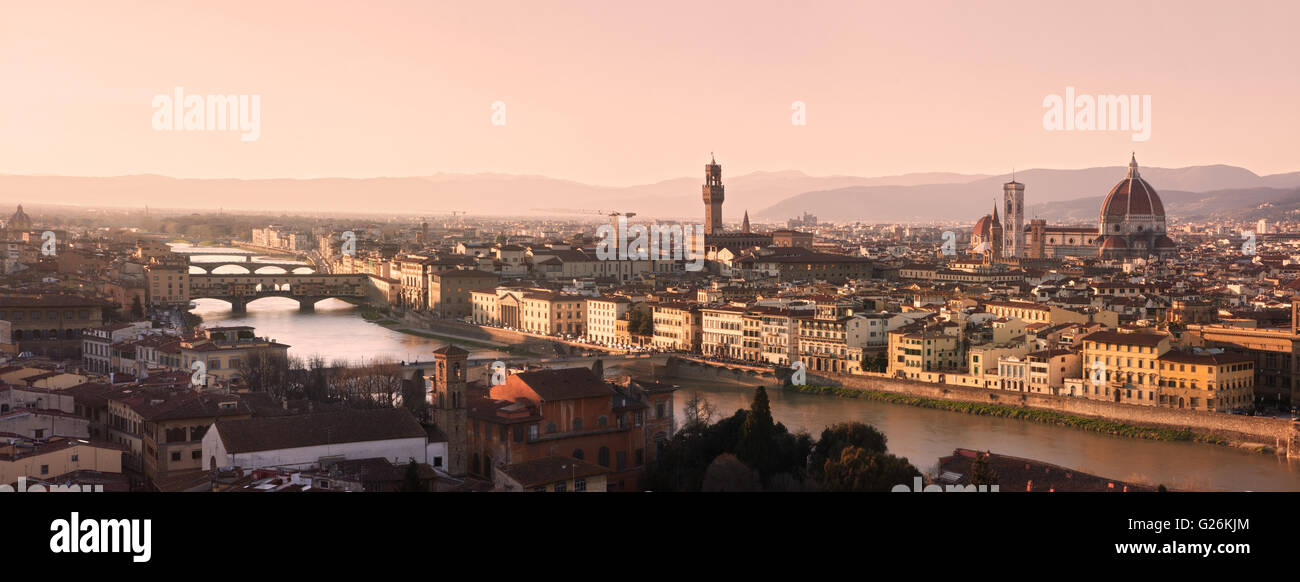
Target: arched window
[603, 457]
[602, 421]
[577, 453]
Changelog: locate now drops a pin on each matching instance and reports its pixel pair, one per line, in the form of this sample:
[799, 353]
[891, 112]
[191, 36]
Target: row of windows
[53, 334]
[83, 314]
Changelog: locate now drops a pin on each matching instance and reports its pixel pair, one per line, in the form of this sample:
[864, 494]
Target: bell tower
[446, 396]
[1013, 198]
[713, 196]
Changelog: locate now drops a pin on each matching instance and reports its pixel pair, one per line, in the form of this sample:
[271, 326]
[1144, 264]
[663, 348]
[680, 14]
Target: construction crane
[584, 211]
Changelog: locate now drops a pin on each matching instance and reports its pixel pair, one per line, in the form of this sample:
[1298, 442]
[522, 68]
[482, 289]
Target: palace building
[714, 237]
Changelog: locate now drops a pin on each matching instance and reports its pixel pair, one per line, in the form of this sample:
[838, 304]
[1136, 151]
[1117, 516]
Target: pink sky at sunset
[624, 93]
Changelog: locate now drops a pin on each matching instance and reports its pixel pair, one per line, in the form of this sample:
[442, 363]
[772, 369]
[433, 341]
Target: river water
[923, 435]
[336, 331]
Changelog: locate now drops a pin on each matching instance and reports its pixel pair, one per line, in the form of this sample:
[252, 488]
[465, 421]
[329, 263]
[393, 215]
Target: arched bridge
[247, 263]
[240, 290]
[250, 267]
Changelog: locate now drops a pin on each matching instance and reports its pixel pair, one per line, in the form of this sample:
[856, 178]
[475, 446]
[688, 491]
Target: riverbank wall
[1281, 434]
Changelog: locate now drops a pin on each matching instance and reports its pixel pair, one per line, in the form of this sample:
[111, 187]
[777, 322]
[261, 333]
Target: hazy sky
[616, 92]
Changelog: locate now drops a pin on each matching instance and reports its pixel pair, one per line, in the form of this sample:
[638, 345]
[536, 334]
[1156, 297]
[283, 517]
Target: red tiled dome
[1165, 242]
[1115, 243]
[1132, 195]
[984, 226]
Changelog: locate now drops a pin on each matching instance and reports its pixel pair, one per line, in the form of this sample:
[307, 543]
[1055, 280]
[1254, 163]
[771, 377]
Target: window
[577, 424]
[579, 484]
[603, 457]
[550, 427]
[196, 455]
[45, 469]
[560, 487]
[176, 455]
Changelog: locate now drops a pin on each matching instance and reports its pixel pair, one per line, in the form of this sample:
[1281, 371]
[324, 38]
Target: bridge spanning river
[240, 290]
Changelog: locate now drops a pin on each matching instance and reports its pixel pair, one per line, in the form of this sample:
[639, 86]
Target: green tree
[860, 470]
[598, 368]
[836, 438]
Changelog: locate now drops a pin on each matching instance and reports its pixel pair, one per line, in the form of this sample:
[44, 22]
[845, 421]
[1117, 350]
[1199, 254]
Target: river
[923, 435]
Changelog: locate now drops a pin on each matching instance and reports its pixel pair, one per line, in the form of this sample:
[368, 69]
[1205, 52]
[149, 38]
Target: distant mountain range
[772, 196]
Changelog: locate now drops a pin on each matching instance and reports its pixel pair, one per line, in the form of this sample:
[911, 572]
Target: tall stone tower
[713, 195]
[1013, 199]
[446, 395]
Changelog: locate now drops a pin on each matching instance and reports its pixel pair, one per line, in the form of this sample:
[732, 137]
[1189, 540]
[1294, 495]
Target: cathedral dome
[984, 226]
[1114, 243]
[1132, 196]
[19, 221]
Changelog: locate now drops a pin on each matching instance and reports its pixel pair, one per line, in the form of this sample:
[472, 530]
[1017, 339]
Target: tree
[728, 474]
[846, 434]
[859, 470]
[756, 435]
[411, 482]
[598, 368]
[266, 372]
[980, 471]
[698, 414]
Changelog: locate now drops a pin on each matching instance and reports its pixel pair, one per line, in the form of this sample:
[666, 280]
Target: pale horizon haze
[621, 93]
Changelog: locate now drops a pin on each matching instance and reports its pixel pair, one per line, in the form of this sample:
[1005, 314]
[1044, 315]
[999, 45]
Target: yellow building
[58, 457]
[1123, 367]
[167, 283]
[912, 353]
[1212, 382]
[677, 326]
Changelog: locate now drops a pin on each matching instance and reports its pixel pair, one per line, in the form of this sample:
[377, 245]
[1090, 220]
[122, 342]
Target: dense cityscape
[747, 269]
[549, 362]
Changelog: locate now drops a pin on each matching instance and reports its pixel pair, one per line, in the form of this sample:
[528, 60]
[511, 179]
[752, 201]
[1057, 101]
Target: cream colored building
[678, 326]
[603, 314]
[722, 332]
